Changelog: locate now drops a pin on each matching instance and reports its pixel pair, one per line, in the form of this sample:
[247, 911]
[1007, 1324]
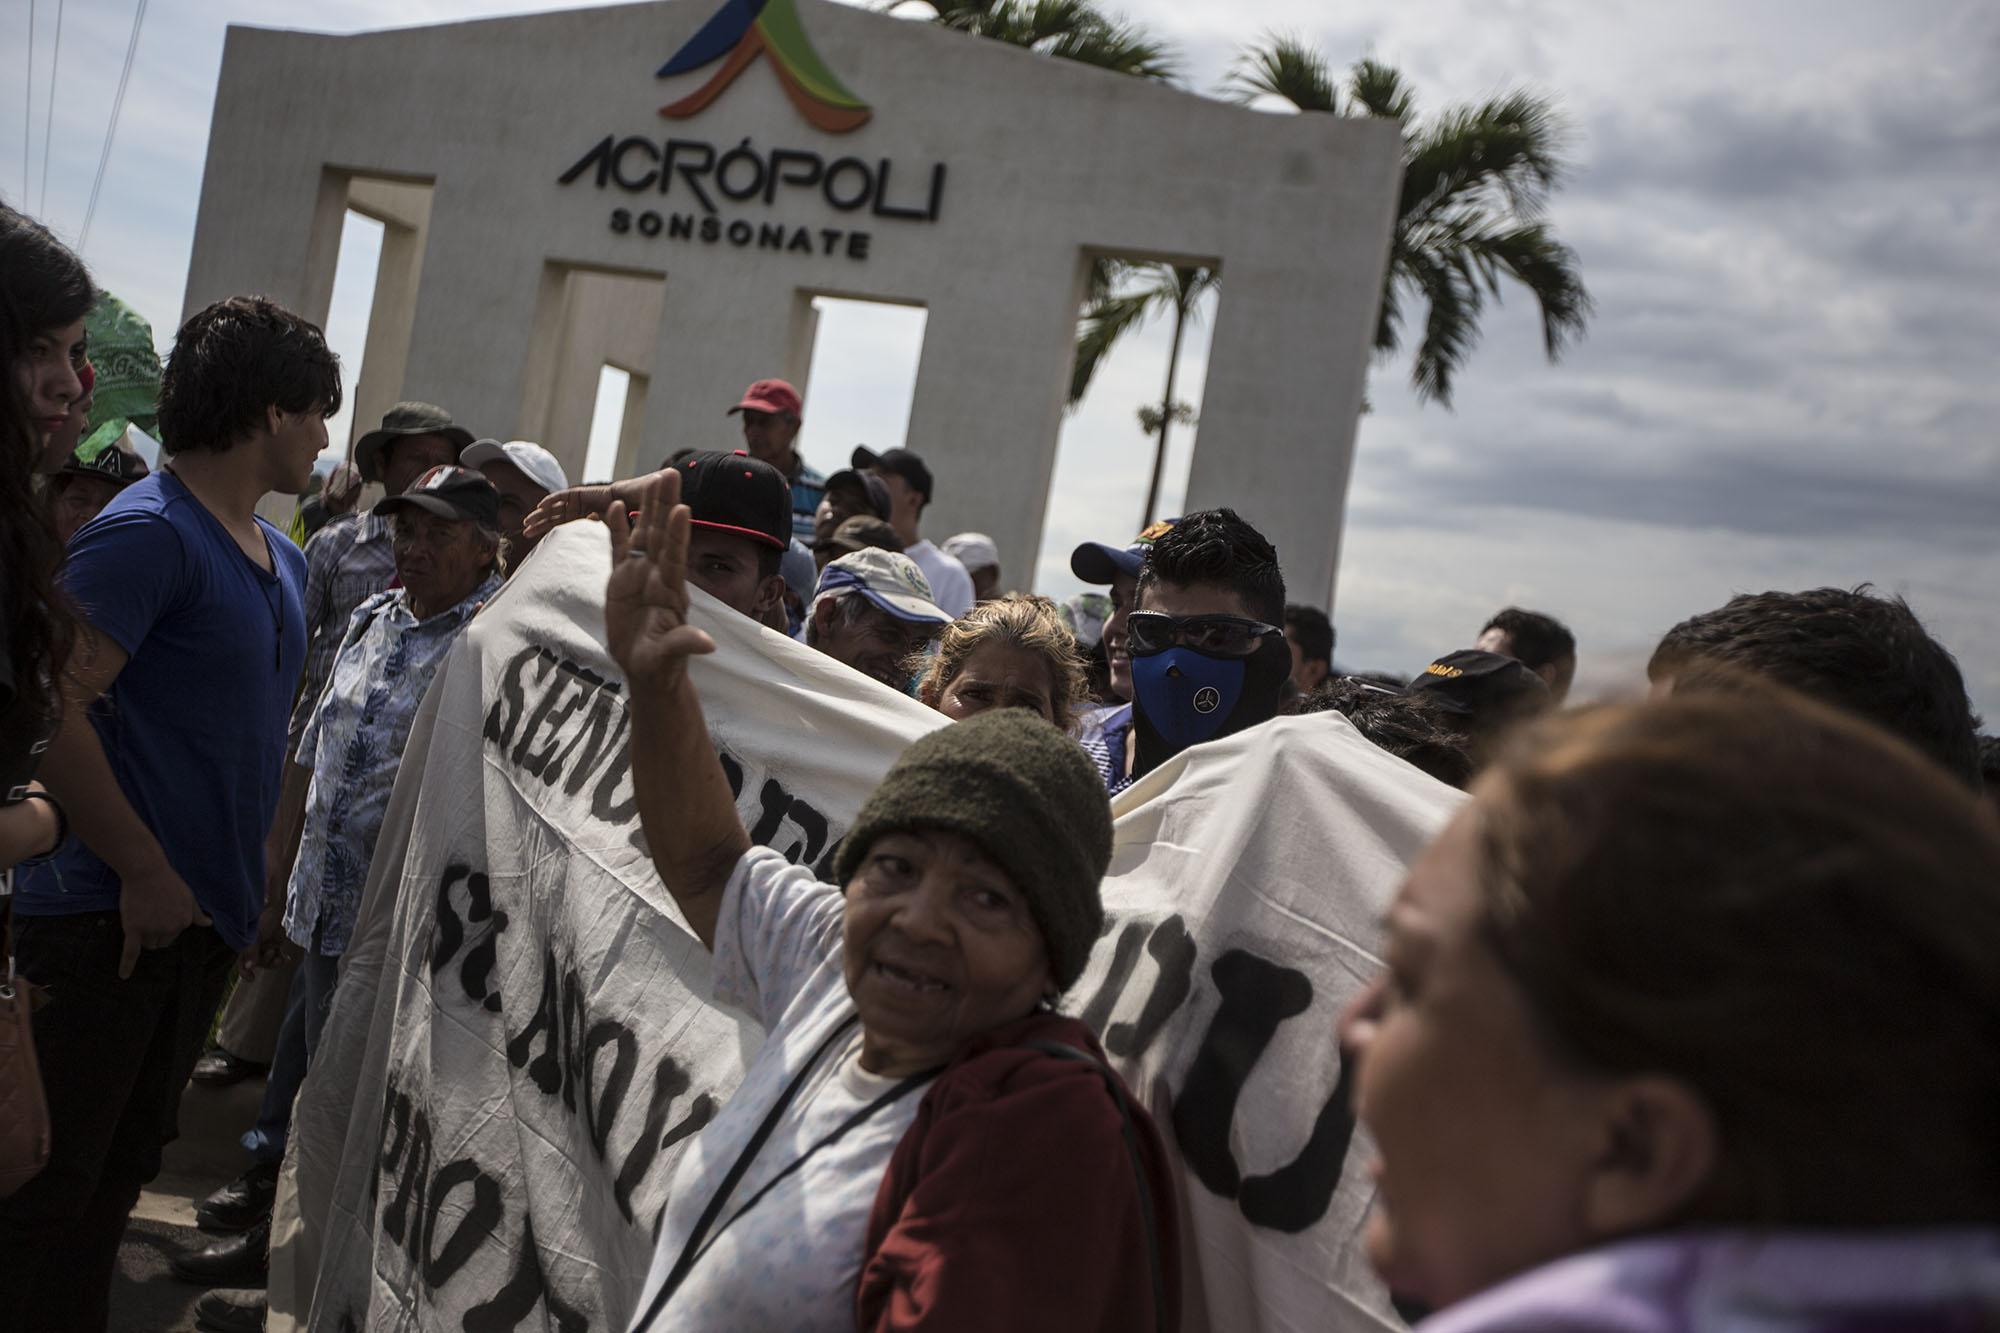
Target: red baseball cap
[774, 396]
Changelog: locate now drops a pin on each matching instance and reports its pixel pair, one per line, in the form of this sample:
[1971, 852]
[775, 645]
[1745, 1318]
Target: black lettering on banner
[669, 1082]
[403, 1218]
[830, 236]
[771, 236]
[600, 1109]
[545, 1069]
[740, 232]
[475, 973]
[680, 227]
[621, 220]
[847, 203]
[618, 156]
[473, 1230]
[801, 241]
[1258, 996]
[597, 741]
[506, 712]
[778, 806]
[598, 156]
[783, 156]
[711, 230]
[1173, 952]
[650, 223]
[527, 1288]
[691, 172]
[1124, 956]
[857, 245]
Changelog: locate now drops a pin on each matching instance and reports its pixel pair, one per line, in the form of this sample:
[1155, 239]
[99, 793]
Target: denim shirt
[354, 740]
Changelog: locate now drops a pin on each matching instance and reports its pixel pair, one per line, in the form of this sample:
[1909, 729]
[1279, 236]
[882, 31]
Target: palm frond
[1379, 90]
[1284, 66]
[1120, 47]
[1512, 147]
[1451, 324]
[1099, 330]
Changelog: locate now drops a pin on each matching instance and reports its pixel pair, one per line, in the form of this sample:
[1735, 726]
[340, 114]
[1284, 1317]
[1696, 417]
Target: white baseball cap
[536, 463]
[889, 579]
[974, 550]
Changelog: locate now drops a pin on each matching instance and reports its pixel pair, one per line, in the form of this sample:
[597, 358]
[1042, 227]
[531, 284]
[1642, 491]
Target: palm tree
[1476, 184]
[1069, 29]
[1123, 297]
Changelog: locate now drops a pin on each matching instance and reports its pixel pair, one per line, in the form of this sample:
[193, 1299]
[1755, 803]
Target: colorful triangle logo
[741, 31]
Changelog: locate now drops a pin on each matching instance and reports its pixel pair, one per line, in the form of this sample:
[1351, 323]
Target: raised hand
[646, 601]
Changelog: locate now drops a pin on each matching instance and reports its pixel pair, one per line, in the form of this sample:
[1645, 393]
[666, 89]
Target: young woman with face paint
[1689, 1023]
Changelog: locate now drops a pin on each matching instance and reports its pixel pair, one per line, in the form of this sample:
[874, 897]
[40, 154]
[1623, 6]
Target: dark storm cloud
[1731, 490]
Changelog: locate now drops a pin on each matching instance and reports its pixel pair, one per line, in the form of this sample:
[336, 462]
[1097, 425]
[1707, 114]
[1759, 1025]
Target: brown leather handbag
[24, 1109]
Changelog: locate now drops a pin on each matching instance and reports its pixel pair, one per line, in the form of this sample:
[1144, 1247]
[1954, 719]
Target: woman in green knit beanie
[922, 1140]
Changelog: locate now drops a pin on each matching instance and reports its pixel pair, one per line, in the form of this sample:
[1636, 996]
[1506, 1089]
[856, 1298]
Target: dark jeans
[298, 1039]
[115, 1056]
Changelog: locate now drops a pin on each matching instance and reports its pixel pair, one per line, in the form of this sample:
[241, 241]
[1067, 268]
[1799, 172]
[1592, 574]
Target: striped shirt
[808, 489]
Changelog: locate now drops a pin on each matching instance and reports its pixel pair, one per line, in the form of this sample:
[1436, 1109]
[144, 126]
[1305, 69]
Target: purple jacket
[1745, 1282]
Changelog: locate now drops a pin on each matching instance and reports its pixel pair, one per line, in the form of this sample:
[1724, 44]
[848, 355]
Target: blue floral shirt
[354, 742]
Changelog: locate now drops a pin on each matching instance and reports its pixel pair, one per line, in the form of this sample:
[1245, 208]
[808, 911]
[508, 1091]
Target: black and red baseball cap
[450, 492]
[737, 493]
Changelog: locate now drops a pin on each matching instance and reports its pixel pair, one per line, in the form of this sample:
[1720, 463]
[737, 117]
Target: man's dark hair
[1538, 640]
[1216, 547]
[1308, 627]
[233, 361]
[1867, 654]
[1409, 726]
[770, 560]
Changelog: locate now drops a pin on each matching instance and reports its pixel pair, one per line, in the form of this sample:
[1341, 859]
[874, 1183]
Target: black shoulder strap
[1147, 1216]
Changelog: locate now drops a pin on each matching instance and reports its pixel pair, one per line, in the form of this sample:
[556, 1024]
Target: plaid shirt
[808, 489]
[1102, 734]
[347, 562]
[353, 742]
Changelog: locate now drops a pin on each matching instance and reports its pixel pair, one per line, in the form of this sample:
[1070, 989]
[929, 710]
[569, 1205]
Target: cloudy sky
[1786, 215]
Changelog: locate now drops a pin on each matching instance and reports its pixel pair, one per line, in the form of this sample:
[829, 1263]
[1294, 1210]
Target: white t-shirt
[792, 1261]
[951, 586]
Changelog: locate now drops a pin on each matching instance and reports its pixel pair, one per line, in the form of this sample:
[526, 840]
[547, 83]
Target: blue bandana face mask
[1181, 697]
[1186, 696]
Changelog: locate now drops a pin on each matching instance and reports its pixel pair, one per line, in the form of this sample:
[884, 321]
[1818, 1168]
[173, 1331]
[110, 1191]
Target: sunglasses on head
[1218, 636]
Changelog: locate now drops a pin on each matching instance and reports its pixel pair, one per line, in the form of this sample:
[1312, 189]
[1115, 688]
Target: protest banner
[522, 1040]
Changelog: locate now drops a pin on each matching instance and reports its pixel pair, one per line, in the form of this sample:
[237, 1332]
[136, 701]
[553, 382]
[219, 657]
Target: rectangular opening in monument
[397, 210]
[862, 380]
[607, 424]
[347, 317]
[1106, 453]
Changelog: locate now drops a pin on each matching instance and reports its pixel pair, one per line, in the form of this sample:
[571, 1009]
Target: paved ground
[146, 1297]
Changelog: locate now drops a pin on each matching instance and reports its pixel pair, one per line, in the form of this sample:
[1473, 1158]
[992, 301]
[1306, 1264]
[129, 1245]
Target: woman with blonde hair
[1011, 652]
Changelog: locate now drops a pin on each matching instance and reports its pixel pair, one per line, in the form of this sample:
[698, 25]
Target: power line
[49, 120]
[111, 130]
[28, 112]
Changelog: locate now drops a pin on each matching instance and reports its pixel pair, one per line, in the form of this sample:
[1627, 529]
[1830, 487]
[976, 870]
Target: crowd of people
[1720, 967]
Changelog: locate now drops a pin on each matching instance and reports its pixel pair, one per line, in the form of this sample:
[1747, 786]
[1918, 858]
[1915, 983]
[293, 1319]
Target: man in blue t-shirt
[189, 647]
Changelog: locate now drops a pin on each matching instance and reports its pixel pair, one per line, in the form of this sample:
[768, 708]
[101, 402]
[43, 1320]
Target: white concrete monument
[664, 187]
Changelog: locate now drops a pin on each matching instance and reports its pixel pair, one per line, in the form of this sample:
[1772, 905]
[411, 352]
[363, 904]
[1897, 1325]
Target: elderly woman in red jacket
[921, 1141]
